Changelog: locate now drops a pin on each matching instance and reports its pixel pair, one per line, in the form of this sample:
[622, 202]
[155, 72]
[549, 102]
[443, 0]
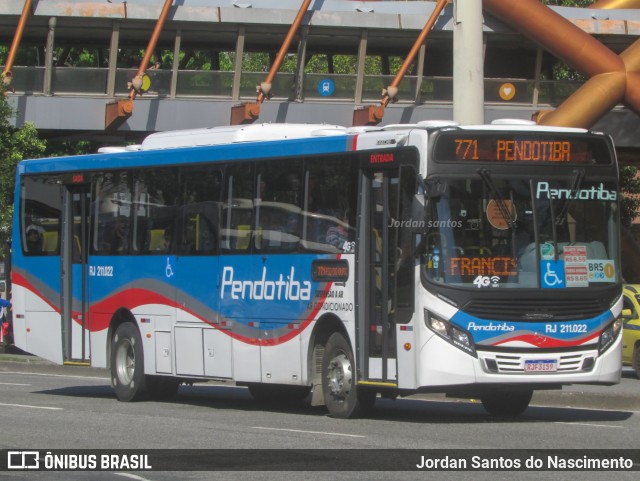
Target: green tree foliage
[15, 145]
[60, 148]
[630, 189]
[568, 3]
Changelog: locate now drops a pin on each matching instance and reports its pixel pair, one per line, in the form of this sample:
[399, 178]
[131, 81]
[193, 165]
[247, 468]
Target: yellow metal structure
[614, 4]
[613, 78]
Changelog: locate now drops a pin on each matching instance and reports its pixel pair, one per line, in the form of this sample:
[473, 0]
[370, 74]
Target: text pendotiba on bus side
[475, 261]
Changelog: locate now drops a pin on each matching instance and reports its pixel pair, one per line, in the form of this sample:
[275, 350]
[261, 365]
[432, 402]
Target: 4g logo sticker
[486, 281]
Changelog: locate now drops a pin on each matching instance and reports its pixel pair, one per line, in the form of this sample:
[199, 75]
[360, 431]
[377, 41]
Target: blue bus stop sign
[326, 87]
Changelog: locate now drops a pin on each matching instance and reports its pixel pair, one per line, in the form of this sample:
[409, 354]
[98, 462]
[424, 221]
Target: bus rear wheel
[127, 364]
[341, 395]
[507, 403]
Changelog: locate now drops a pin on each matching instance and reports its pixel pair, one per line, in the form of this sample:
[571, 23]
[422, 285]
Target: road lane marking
[131, 476]
[590, 425]
[13, 384]
[310, 432]
[106, 378]
[32, 407]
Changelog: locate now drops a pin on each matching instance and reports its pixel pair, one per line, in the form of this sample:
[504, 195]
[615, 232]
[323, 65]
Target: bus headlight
[609, 335]
[452, 334]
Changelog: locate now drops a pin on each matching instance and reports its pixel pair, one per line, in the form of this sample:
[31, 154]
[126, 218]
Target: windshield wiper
[576, 182]
[507, 215]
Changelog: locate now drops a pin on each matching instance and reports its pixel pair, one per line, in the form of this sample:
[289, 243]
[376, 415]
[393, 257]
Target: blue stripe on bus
[215, 153]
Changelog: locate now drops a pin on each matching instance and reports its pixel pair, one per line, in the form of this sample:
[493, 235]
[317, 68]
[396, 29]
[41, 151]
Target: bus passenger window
[112, 211]
[330, 205]
[155, 199]
[278, 208]
[201, 210]
[40, 212]
[237, 209]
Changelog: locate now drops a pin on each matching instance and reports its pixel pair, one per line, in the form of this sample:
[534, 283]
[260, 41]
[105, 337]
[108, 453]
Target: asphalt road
[43, 406]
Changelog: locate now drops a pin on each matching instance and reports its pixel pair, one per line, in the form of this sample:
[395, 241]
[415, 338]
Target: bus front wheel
[341, 395]
[127, 363]
[507, 403]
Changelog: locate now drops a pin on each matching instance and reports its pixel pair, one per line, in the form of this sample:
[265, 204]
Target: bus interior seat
[598, 250]
[244, 237]
[527, 261]
[156, 239]
[50, 242]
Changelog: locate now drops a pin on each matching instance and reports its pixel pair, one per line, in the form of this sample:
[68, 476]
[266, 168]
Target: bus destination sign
[517, 147]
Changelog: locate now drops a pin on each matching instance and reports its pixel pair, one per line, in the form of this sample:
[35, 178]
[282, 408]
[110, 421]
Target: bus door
[74, 245]
[385, 260]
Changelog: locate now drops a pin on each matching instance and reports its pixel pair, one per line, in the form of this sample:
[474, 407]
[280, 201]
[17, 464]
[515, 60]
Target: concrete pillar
[468, 62]
[48, 61]
[113, 59]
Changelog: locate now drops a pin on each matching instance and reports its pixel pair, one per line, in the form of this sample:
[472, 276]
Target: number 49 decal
[349, 247]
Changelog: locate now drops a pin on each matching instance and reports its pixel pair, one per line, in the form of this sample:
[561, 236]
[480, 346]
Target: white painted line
[13, 384]
[590, 425]
[310, 432]
[106, 378]
[32, 407]
[131, 476]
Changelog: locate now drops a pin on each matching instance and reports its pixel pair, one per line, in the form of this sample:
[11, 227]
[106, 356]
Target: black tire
[278, 393]
[341, 395]
[162, 388]
[635, 362]
[127, 364]
[507, 403]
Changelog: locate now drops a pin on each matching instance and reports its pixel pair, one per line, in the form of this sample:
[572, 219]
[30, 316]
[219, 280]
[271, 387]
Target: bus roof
[238, 133]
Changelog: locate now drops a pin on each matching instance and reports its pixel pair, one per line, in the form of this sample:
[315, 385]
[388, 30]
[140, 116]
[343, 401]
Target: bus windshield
[495, 232]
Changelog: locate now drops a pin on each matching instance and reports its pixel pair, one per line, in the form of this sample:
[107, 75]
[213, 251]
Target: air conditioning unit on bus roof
[238, 133]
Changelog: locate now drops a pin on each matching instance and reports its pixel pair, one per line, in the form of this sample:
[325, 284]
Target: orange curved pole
[248, 112]
[373, 114]
[390, 91]
[284, 48]
[7, 75]
[137, 79]
[611, 76]
[117, 112]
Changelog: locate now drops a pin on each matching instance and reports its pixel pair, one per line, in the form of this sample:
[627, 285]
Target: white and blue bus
[477, 261]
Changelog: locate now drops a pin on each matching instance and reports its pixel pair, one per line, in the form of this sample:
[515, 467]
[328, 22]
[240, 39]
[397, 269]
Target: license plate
[541, 366]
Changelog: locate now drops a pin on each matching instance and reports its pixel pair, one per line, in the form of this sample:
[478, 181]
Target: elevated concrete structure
[66, 98]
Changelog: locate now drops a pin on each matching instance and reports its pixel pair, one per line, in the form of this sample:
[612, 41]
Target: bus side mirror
[627, 315]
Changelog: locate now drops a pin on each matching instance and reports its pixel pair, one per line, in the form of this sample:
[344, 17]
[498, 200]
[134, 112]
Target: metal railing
[315, 86]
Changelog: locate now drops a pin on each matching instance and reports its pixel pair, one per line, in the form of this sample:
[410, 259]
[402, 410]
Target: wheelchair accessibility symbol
[552, 274]
[168, 270]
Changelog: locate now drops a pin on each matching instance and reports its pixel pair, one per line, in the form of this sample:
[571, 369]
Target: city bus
[339, 264]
